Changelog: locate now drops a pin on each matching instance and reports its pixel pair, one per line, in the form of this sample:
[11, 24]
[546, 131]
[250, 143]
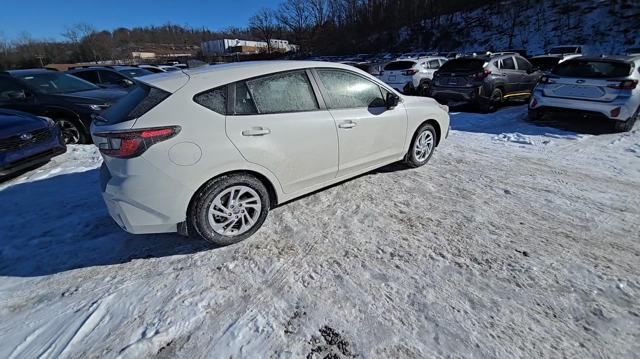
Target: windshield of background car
[139, 101]
[592, 69]
[135, 72]
[399, 65]
[462, 65]
[54, 82]
[545, 63]
[564, 50]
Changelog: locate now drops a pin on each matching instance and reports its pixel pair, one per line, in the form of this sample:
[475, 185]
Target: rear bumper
[147, 201]
[457, 95]
[594, 109]
[27, 162]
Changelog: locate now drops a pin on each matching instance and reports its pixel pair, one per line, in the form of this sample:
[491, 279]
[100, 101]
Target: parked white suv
[209, 151]
[604, 88]
[412, 76]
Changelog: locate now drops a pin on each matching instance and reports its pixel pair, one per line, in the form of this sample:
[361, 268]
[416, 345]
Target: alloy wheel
[423, 146]
[70, 132]
[234, 211]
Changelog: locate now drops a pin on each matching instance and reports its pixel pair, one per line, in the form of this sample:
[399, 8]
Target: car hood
[14, 123]
[97, 96]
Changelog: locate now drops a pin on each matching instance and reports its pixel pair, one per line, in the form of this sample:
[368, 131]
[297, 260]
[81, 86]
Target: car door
[277, 122]
[529, 77]
[368, 132]
[16, 96]
[512, 78]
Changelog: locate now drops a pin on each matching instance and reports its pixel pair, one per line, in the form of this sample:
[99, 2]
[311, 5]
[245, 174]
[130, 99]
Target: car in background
[27, 141]
[168, 68]
[153, 68]
[375, 69]
[572, 50]
[412, 76]
[594, 87]
[109, 76]
[232, 141]
[633, 51]
[545, 63]
[485, 81]
[70, 101]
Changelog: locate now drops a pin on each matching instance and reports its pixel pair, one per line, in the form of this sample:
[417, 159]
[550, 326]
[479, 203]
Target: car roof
[24, 72]
[207, 77]
[617, 58]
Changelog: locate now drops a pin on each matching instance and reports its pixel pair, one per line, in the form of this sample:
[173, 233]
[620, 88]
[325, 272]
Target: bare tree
[264, 25]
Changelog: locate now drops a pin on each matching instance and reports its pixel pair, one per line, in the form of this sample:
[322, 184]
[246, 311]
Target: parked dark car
[484, 81]
[70, 101]
[545, 63]
[110, 76]
[27, 141]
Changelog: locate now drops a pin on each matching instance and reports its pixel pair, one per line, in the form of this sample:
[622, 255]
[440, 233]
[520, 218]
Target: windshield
[462, 65]
[564, 50]
[592, 69]
[55, 82]
[135, 72]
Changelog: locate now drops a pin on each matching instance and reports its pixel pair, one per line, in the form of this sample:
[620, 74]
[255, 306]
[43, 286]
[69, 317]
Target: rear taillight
[132, 143]
[481, 75]
[547, 80]
[623, 85]
[410, 72]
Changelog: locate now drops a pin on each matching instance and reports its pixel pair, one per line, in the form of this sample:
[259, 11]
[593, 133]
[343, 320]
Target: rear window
[399, 65]
[462, 65]
[545, 63]
[137, 102]
[592, 69]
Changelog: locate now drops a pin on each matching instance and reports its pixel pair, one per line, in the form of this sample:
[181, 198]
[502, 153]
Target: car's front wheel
[228, 209]
[72, 133]
[422, 146]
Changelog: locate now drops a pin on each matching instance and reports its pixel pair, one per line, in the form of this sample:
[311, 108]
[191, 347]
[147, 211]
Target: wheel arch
[59, 112]
[435, 125]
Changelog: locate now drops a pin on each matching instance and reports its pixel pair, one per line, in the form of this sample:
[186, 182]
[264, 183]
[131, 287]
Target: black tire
[491, 104]
[424, 89]
[626, 126]
[410, 158]
[535, 115]
[73, 132]
[198, 225]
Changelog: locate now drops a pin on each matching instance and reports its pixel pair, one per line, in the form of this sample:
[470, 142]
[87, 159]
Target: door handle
[347, 124]
[256, 131]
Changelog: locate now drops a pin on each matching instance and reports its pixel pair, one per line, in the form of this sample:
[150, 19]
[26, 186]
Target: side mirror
[392, 100]
[127, 83]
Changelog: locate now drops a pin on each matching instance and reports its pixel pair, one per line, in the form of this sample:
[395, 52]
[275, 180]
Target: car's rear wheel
[492, 103]
[422, 146]
[424, 89]
[626, 126]
[72, 133]
[228, 209]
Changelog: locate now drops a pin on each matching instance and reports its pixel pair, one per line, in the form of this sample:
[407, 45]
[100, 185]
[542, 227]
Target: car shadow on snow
[61, 223]
[513, 119]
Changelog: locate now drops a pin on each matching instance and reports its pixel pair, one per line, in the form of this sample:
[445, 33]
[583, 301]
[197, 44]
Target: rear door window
[592, 69]
[243, 104]
[462, 65]
[507, 63]
[91, 76]
[111, 78]
[280, 93]
[434, 64]
[10, 89]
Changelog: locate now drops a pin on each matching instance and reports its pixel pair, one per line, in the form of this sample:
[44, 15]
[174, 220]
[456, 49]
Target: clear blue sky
[48, 18]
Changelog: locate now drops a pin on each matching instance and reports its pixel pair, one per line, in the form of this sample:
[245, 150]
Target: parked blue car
[27, 141]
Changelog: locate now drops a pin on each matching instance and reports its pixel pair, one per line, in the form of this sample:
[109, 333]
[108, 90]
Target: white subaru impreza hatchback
[209, 151]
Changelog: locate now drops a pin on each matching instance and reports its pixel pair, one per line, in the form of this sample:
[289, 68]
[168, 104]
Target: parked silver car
[596, 87]
[209, 151]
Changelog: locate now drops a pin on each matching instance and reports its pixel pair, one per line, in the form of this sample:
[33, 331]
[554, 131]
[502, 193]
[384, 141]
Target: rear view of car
[601, 88]
[411, 76]
[26, 141]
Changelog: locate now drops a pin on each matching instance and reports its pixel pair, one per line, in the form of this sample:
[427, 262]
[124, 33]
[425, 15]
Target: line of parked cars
[571, 78]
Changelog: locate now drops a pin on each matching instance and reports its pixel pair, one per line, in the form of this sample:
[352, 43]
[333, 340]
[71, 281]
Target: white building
[228, 46]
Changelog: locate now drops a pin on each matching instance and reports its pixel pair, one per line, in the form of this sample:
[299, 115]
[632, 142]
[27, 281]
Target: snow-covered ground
[515, 241]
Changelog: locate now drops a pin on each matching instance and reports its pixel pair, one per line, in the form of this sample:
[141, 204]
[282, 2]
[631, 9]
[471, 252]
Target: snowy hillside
[515, 241]
[611, 26]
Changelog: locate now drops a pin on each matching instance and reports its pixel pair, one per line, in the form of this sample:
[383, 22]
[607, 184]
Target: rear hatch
[460, 73]
[591, 80]
[398, 72]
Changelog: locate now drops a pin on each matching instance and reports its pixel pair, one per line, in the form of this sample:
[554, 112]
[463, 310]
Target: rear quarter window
[215, 99]
[135, 104]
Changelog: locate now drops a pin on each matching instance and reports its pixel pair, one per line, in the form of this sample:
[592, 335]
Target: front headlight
[50, 122]
[95, 107]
